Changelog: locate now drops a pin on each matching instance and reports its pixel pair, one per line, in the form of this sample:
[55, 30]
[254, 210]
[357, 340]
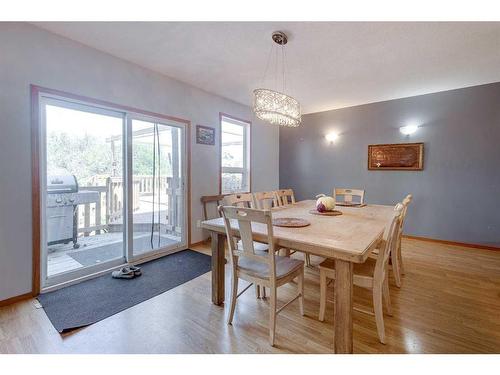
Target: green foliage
[143, 160]
[87, 156]
[82, 156]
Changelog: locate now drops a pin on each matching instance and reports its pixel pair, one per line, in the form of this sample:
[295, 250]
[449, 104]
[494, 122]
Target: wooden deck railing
[146, 183]
[111, 197]
[175, 206]
[97, 226]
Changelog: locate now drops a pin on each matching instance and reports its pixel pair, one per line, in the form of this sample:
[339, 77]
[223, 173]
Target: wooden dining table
[348, 239]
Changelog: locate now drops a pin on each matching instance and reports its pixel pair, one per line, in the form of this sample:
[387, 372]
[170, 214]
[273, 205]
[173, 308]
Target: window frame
[247, 160]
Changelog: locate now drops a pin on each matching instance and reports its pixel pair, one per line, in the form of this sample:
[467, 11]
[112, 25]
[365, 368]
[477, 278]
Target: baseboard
[204, 242]
[11, 300]
[453, 243]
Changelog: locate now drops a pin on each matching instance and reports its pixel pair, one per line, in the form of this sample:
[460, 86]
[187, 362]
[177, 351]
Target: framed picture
[205, 135]
[396, 157]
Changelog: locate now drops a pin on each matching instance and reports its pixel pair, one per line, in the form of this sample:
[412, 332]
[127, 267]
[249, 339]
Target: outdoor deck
[101, 224]
[98, 249]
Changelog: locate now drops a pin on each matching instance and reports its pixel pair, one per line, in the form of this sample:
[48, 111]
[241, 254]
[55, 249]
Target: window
[235, 155]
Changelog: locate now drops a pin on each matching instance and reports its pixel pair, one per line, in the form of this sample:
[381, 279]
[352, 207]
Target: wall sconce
[409, 129]
[331, 137]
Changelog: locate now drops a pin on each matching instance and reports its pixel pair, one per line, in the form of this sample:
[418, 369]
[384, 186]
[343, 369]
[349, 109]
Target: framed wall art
[400, 157]
[205, 135]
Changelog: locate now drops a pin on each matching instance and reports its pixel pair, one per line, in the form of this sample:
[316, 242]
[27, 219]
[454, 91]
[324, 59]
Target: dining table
[348, 238]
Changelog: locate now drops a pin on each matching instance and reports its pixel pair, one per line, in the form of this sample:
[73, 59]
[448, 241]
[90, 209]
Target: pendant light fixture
[272, 106]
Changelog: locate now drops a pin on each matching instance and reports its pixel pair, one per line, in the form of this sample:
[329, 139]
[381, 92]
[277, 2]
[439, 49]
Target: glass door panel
[157, 189]
[83, 190]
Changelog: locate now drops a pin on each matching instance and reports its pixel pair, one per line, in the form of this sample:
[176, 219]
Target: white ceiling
[330, 64]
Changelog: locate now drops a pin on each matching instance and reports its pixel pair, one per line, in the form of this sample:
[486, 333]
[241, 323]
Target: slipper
[136, 270]
[123, 273]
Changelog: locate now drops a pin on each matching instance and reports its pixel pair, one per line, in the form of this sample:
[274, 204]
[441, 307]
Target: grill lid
[62, 184]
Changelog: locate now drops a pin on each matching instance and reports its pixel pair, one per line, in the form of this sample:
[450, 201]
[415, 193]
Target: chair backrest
[244, 200]
[265, 200]
[244, 217]
[208, 199]
[390, 243]
[284, 197]
[347, 195]
[406, 203]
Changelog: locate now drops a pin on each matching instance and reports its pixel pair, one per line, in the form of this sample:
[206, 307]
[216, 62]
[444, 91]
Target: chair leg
[272, 316]
[401, 268]
[300, 287]
[234, 293]
[263, 292]
[322, 295]
[308, 259]
[257, 291]
[386, 296]
[379, 315]
[287, 253]
[395, 267]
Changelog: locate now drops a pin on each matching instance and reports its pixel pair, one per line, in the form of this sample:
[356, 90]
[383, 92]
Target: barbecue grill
[63, 198]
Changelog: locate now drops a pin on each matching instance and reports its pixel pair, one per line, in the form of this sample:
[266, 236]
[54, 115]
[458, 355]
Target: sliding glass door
[112, 188]
[83, 190]
[157, 186]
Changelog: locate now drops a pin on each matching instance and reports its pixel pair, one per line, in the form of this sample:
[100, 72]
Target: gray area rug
[101, 254]
[93, 300]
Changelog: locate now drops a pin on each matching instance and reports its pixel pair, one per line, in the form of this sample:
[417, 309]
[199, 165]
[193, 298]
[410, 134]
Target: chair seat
[258, 246]
[284, 267]
[362, 269]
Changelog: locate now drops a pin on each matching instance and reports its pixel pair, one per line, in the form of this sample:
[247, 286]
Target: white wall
[29, 55]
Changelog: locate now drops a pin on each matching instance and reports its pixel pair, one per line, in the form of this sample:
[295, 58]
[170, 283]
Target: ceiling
[330, 64]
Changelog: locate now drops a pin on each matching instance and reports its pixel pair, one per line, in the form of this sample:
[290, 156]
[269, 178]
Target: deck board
[59, 260]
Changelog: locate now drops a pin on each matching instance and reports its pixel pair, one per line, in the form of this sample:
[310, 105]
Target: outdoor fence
[93, 219]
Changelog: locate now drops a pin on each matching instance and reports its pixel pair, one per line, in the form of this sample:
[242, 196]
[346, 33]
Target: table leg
[218, 261]
[343, 306]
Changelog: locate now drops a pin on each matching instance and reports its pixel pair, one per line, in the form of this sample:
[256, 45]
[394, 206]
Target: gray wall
[29, 55]
[456, 196]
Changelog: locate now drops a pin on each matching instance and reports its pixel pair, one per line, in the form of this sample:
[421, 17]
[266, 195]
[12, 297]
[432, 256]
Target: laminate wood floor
[449, 303]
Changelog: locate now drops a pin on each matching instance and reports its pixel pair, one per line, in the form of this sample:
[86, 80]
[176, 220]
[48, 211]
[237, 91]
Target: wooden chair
[208, 199]
[372, 275]
[244, 200]
[396, 256]
[265, 200]
[348, 194]
[268, 270]
[247, 200]
[284, 197]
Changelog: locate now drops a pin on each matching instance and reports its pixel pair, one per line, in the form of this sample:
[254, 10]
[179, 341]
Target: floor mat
[93, 300]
